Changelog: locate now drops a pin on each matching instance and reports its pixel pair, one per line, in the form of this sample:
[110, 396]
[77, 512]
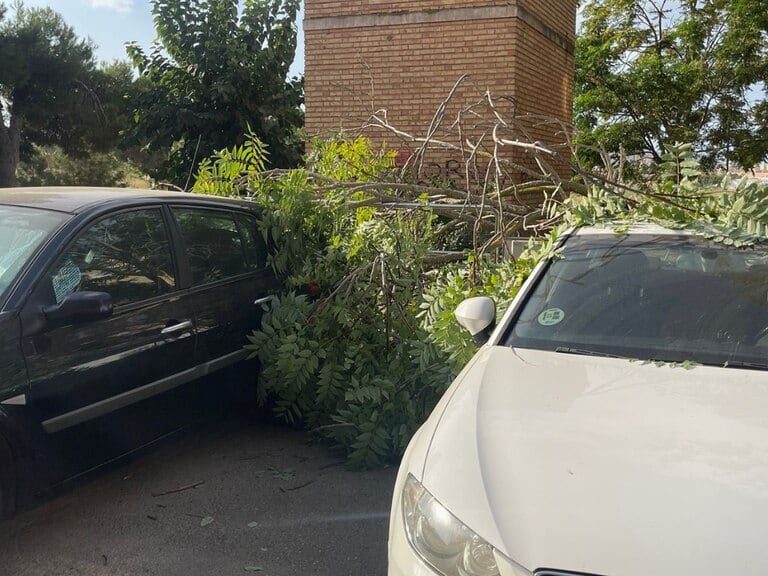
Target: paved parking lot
[226, 498]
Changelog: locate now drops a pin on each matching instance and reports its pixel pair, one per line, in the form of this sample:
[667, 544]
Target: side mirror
[80, 307]
[478, 315]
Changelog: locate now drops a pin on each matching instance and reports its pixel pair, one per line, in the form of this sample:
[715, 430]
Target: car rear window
[667, 298]
[213, 244]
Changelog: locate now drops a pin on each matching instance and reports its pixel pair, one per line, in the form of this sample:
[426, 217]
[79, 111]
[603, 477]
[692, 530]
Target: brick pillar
[405, 55]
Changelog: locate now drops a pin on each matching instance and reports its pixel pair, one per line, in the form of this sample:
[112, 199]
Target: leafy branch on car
[376, 255]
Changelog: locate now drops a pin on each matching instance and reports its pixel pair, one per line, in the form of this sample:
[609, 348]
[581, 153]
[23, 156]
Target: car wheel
[7, 480]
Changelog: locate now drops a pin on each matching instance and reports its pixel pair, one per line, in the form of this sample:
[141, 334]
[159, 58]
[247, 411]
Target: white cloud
[117, 5]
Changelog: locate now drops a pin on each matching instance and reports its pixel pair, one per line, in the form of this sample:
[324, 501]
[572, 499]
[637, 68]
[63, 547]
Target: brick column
[404, 56]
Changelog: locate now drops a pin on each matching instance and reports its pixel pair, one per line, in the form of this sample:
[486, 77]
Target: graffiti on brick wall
[452, 170]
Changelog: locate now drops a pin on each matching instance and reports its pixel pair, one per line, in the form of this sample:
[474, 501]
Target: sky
[112, 23]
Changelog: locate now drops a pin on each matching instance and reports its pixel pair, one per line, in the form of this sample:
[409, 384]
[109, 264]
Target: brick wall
[559, 14]
[320, 8]
[404, 56]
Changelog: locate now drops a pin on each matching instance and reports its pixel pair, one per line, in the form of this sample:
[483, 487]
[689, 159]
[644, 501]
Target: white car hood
[608, 466]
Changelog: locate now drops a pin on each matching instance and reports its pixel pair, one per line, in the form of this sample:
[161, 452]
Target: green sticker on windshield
[551, 316]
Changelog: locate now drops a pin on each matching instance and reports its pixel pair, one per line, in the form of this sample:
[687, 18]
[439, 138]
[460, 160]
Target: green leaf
[285, 475]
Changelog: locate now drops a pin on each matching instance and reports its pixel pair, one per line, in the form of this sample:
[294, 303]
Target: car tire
[7, 480]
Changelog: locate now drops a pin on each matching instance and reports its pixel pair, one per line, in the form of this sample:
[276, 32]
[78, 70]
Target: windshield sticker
[66, 280]
[551, 317]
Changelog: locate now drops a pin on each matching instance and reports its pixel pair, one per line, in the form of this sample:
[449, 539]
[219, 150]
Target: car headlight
[441, 539]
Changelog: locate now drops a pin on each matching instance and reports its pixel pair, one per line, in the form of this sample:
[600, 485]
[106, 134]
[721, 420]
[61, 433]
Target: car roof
[636, 228]
[75, 199]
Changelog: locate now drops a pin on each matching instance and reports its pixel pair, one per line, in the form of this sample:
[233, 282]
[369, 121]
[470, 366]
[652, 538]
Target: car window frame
[23, 294]
[84, 226]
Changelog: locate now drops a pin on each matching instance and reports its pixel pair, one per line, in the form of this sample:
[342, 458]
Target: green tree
[44, 72]
[657, 71]
[215, 71]
[99, 124]
[89, 125]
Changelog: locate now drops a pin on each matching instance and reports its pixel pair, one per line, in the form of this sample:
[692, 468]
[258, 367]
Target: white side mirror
[478, 315]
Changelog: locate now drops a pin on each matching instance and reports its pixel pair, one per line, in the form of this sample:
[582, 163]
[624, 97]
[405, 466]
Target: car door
[228, 275]
[82, 369]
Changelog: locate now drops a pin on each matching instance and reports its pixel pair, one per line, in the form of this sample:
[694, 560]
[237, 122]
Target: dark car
[111, 297]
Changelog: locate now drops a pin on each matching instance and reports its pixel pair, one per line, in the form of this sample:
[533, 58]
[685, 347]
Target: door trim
[20, 400]
[102, 407]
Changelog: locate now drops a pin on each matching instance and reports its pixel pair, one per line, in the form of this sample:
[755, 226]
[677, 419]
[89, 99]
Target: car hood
[607, 466]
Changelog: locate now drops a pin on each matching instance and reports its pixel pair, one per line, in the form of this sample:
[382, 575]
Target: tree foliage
[215, 70]
[683, 196]
[363, 343]
[99, 125]
[45, 73]
[655, 71]
[51, 166]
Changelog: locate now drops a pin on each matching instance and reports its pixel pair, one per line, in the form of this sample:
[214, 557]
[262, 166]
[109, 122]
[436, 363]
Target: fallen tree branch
[181, 489]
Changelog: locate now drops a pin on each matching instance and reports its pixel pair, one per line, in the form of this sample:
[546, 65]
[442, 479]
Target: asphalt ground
[232, 496]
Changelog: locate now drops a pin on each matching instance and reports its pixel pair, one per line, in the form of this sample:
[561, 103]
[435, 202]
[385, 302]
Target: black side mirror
[80, 307]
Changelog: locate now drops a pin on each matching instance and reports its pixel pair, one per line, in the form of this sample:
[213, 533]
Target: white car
[615, 423]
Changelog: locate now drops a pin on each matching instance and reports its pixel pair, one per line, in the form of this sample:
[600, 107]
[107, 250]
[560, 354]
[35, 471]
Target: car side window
[213, 243]
[127, 255]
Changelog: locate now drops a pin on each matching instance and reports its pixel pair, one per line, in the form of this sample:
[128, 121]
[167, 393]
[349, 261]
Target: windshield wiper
[745, 365]
[582, 352]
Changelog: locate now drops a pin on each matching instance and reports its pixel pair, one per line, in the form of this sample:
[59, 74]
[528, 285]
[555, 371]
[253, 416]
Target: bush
[51, 166]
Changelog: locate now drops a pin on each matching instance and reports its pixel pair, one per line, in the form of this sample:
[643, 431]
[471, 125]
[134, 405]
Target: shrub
[51, 166]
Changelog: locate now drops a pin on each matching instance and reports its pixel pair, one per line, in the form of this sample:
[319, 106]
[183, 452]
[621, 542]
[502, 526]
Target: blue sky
[112, 23]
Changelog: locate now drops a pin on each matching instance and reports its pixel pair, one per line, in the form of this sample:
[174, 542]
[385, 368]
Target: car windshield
[22, 231]
[651, 297]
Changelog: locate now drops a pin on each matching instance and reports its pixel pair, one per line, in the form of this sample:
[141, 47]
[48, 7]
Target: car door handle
[263, 300]
[176, 328]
